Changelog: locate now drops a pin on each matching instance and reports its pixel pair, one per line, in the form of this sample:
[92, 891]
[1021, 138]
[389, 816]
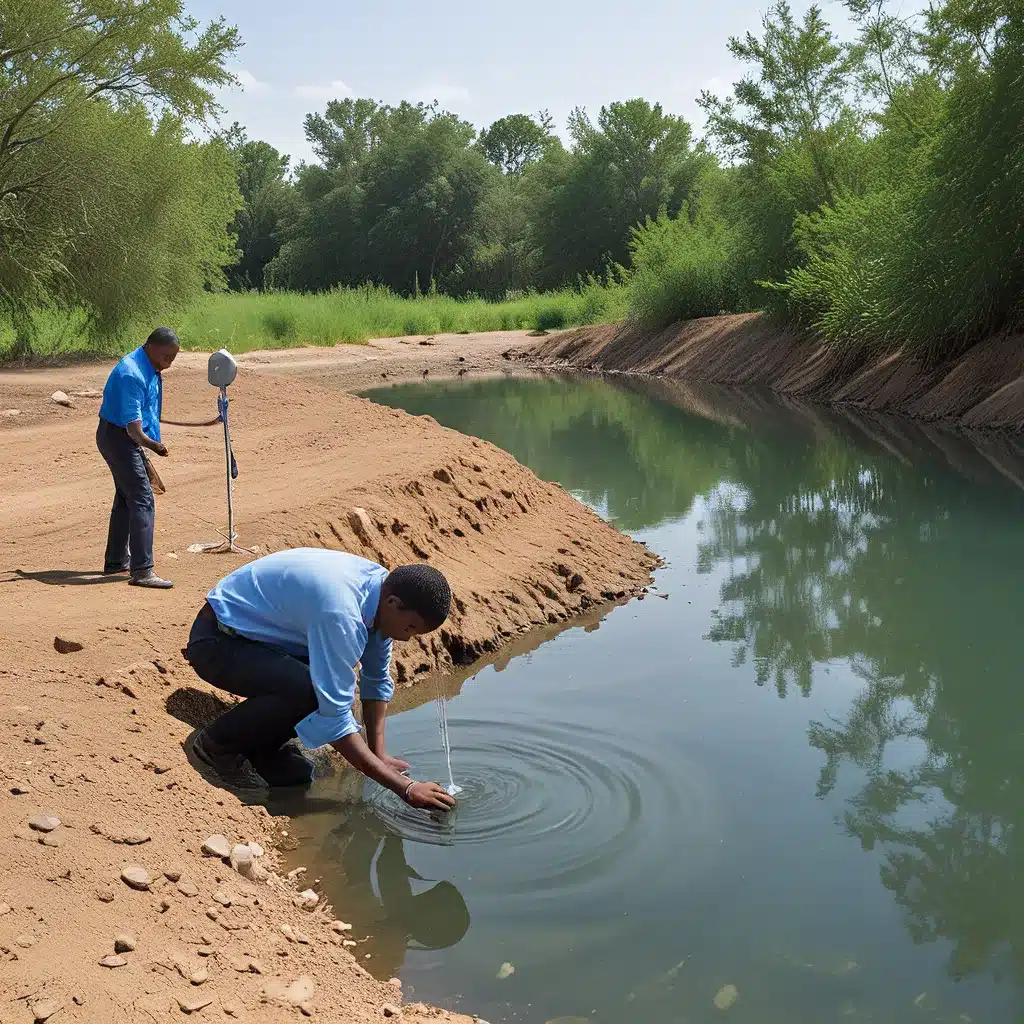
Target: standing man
[286, 632]
[129, 422]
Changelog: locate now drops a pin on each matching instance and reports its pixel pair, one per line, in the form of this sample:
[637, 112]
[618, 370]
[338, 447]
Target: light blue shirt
[134, 391]
[317, 604]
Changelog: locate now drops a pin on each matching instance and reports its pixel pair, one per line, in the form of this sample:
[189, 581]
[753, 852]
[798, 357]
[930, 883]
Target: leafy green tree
[515, 141]
[268, 200]
[77, 79]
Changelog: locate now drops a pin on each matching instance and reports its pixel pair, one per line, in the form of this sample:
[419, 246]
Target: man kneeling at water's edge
[286, 632]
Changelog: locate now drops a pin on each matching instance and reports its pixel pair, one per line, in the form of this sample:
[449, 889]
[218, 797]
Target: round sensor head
[221, 369]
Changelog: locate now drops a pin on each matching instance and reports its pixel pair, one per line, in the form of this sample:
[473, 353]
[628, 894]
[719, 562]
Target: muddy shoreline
[96, 700]
[982, 389]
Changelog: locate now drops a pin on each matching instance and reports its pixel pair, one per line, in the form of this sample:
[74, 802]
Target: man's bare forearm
[375, 713]
[136, 433]
[354, 749]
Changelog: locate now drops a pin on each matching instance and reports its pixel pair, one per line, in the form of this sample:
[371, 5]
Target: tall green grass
[242, 322]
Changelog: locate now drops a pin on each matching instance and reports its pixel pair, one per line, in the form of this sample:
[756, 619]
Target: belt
[209, 615]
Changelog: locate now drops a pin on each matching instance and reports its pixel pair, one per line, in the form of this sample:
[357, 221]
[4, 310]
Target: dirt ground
[981, 389]
[96, 700]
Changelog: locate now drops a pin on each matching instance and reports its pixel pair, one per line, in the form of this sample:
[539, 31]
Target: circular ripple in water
[573, 789]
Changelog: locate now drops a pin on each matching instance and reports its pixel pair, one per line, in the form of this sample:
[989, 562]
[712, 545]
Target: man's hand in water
[397, 763]
[428, 796]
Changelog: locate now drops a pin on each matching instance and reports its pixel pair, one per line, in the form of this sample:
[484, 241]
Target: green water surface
[801, 775]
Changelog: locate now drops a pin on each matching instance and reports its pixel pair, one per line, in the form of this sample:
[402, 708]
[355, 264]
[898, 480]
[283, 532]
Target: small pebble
[301, 937]
[212, 913]
[395, 982]
[124, 943]
[505, 971]
[222, 898]
[198, 976]
[78, 999]
[21, 789]
[257, 850]
[232, 1008]
[217, 846]
[193, 1004]
[105, 896]
[135, 876]
[26, 941]
[165, 905]
[725, 997]
[340, 926]
[309, 898]
[4, 909]
[48, 840]
[43, 822]
[113, 961]
[44, 1009]
[287, 932]
[349, 943]
[187, 888]
[390, 1011]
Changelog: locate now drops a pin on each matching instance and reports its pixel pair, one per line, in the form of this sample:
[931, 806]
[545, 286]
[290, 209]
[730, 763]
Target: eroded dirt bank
[983, 388]
[93, 737]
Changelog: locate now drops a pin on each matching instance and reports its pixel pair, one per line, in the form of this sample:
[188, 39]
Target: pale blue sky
[481, 60]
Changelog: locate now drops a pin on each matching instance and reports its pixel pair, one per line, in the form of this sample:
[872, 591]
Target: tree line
[869, 191]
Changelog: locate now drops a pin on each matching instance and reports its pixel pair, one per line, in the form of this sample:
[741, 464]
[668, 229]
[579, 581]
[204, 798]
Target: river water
[794, 785]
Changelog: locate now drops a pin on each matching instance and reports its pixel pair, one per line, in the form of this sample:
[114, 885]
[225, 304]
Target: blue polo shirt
[317, 604]
[134, 391]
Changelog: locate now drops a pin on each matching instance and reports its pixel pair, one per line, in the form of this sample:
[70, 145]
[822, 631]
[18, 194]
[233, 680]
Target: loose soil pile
[96, 699]
[983, 388]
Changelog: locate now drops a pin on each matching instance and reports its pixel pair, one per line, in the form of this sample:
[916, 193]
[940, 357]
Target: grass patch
[242, 322]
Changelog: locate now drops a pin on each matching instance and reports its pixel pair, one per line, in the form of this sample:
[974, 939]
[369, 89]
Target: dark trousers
[278, 690]
[132, 519]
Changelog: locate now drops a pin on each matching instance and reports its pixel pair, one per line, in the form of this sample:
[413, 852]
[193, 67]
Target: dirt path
[93, 736]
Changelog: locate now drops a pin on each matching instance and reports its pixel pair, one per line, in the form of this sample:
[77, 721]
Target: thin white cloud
[250, 83]
[332, 91]
[450, 96]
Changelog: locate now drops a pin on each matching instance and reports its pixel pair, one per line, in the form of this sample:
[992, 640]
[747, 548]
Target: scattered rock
[221, 897]
[44, 1009]
[574, 583]
[390, 1010]
[49, 840]
[62, 646]
[199, 975]
[241, 857]
[135, 876]
[113, 961]
[505, 971]
[307, 1008]
[212, 913]
[340, 926]
[59, 398]
[124, 943]
[105, 895]
[193, 1004]
[25, 941]
[395, 983]
[43, 822]
[349, 943]
[725, 997]
[21, 789]
[5, 908]
[78, 999]
[12, 413]
[257, 850]
[135, 838]
[173, 874]
[217, 846]
[309, 898]
[301, 937]
[187, 888]
[361, 525]
[232, 1008]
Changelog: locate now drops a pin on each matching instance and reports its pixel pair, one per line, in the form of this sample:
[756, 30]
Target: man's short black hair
[163, 336]
[422, 589]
